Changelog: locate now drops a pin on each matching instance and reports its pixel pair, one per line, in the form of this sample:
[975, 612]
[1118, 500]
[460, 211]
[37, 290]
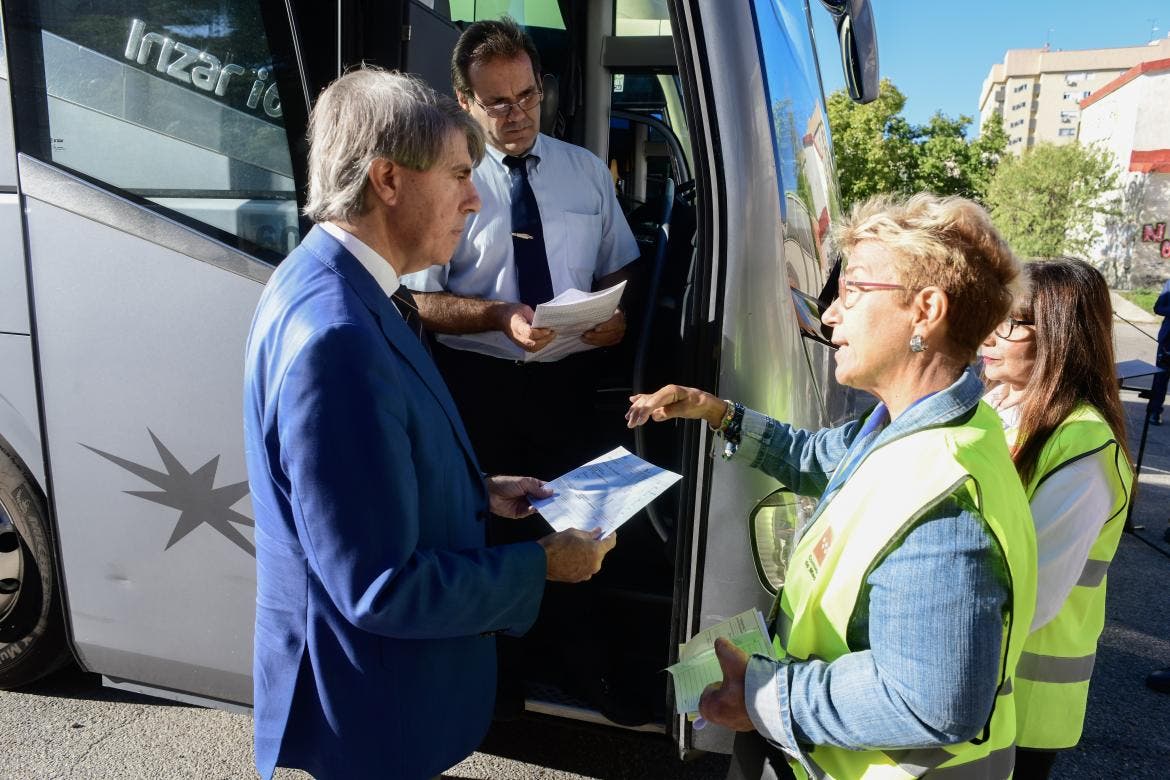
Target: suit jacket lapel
[394, 328]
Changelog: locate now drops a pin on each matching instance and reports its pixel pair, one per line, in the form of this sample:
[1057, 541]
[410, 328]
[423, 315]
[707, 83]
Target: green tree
[949, 164]
[987, 151]
[873, 144]
[943, 164]
[879, 151]
[1051, 199]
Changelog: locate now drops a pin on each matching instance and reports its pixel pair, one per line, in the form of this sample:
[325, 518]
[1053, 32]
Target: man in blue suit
[377, 601]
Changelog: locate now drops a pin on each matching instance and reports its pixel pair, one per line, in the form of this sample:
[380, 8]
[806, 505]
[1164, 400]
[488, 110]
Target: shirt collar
[536, 153]
[378, 266]
[932, 410]
[938, 409]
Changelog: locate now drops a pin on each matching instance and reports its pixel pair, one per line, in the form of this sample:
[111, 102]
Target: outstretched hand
[724, 703]
[675, 401]
[510, 496]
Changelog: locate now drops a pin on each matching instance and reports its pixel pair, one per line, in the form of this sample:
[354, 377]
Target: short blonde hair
[371, 113]
[947, 243]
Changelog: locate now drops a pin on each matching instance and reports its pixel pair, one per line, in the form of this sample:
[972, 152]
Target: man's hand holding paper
[574, 321]
[608, 333]
[575, 556]
[512, 496]
[581, 321]
[516, 324]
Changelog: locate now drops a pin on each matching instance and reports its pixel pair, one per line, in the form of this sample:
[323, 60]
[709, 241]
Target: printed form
[604, 493]
[698, 666]
[569, 314]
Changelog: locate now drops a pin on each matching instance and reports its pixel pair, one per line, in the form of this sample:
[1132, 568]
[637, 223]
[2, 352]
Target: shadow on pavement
[597, 751]
[71, 682]
[1127, 727]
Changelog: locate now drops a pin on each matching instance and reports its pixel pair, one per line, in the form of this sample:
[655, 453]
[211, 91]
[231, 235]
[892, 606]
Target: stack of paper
[698, 665]
[569, 314]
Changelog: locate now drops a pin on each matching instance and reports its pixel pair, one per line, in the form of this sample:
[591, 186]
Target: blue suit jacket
[374, 587]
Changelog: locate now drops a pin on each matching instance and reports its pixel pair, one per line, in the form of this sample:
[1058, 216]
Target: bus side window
[173, 105]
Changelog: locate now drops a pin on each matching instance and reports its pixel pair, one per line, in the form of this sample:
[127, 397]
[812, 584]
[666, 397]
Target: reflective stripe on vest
[1055, 668]
[1093, 574]
[1052, 680]
[826, 577]
[926, 762]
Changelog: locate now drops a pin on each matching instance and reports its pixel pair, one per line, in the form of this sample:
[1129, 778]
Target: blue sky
[939, 51]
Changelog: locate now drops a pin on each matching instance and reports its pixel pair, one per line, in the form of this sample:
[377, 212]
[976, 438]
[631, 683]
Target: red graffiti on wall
[1157, 234]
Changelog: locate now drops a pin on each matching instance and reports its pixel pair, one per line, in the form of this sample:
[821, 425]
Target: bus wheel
[32, 633]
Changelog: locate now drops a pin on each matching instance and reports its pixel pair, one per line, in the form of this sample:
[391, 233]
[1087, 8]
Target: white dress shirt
[586, 235]
[1069, 509]
[378, 266]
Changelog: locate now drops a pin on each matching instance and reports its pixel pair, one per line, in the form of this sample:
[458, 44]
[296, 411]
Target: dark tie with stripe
[408, 308]
[532, 274]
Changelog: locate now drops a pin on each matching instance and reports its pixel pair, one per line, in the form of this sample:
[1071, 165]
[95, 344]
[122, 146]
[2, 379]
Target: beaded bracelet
[728, 416]
[731, 429]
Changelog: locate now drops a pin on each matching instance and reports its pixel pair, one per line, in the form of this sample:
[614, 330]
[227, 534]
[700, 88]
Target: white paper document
[569, 314]
[698, 665]
[604, 493]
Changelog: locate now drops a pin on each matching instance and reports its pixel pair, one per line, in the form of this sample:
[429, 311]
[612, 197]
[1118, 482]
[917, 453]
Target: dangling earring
[917, 344]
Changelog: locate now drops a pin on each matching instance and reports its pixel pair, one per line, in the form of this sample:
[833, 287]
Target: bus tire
[32, 630]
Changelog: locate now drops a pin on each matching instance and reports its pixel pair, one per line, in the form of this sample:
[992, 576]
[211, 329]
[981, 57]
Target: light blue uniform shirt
[586, 235]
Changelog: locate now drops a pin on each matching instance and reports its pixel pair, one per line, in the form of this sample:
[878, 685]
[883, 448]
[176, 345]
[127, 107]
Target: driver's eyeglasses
[849, 290]
[1006, 328]
[526, 103]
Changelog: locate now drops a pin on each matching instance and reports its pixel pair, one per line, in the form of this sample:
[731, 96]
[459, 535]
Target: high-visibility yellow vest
[892, 487]
[1052, 680]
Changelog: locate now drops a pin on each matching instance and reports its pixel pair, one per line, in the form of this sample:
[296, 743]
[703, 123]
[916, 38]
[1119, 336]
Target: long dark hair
[1074, 355]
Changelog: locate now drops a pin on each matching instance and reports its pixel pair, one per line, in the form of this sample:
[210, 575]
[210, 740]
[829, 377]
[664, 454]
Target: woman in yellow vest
[910, 590]
[1055, 388]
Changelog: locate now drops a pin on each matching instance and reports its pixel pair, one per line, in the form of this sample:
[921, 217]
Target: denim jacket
[928, 625]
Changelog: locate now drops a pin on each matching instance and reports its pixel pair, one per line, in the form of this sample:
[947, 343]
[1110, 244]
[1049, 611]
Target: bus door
[766, 196]
[159, 190]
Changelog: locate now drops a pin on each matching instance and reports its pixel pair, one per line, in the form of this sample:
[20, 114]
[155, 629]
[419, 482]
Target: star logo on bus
[193, 493]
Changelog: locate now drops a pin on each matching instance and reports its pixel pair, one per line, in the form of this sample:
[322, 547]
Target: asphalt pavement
[1127, 728]
[70, 727]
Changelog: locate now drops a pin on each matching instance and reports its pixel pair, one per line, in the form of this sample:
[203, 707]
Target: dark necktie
[532, 275]
[406, 305]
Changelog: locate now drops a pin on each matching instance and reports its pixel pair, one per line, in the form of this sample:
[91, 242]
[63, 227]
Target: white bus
[152, 165]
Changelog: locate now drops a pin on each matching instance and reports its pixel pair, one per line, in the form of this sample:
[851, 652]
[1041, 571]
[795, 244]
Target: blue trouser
[1158, 386]
[1158, 393]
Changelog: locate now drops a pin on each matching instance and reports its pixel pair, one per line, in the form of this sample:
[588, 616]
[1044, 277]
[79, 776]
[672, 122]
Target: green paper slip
[698, 666]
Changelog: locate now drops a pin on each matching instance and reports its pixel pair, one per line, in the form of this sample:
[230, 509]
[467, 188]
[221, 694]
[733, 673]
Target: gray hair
[370, 113]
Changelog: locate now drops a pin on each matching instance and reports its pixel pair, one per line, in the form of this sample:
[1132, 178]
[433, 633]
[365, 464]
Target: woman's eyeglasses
[1006, 328]
[849, 290]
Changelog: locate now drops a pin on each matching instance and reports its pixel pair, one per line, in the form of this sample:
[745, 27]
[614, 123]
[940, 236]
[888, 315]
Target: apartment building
[1130, 117]
[1038, 91]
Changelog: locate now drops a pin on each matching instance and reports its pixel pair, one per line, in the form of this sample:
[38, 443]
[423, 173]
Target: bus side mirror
[857, 35]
